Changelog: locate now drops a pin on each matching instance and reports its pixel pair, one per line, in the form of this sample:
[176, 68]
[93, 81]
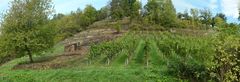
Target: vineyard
[119, 41]
[135, 56]
[167, 53]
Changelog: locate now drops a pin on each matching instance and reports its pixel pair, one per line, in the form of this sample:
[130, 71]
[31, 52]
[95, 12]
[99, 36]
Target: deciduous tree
[23, 28]
[90, 13]
[168, 16]
[195, 16]
[152, 11]
[117, 11]
[206, 16]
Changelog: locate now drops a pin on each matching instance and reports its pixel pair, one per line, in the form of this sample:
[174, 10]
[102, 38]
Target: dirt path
[86, 38]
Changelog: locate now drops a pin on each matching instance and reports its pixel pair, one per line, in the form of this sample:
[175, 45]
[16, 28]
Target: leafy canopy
[23, 29]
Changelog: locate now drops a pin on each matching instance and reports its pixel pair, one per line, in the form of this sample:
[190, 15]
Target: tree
[103, 13]
[183, 16]
[152, 11]
[180, 16]
[76, 16]
[239, 13]
[117, 11]
[129, 7]
[169, 17]
[57, 16]
[219, 22]
[23, 28]
[76, 21]
[220, 18]
[82, 19]
[206, 16]
[161, 12]
[226, 61]
[67, 26]
[221, 15]
[195, 16]
[91, 13]
[126, 5]
[135, 10]
[186, 15]
[125, 8]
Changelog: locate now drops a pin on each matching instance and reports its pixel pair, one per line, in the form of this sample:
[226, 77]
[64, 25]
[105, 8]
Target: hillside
[133, 56]
[119, 41]
[60, 58]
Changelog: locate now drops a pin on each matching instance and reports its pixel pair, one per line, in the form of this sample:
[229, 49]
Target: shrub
[226, 67]
[117, 27]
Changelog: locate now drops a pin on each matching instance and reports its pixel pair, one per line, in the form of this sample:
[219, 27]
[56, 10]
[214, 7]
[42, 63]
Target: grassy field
[135, 57]
[83, 74]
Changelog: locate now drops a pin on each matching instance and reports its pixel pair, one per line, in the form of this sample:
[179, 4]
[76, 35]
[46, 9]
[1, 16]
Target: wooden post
[126, 62]
[108, 61]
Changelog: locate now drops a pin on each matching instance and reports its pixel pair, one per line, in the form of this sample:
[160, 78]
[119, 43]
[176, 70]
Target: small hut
[72, 47]
[77, 44]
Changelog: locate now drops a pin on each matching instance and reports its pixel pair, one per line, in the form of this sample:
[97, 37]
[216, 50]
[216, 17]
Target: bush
[118, 27]
[226, 67]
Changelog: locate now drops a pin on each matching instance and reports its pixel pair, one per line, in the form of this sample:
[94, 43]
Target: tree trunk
[29, 54]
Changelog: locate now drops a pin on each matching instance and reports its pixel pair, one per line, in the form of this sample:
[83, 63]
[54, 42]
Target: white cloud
[230, 7]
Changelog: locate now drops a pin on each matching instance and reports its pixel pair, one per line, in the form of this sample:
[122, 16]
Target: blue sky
[228, 7]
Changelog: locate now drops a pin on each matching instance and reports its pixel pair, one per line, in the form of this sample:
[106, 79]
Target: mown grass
[73, 75]
[139, 53]
[86, 74]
